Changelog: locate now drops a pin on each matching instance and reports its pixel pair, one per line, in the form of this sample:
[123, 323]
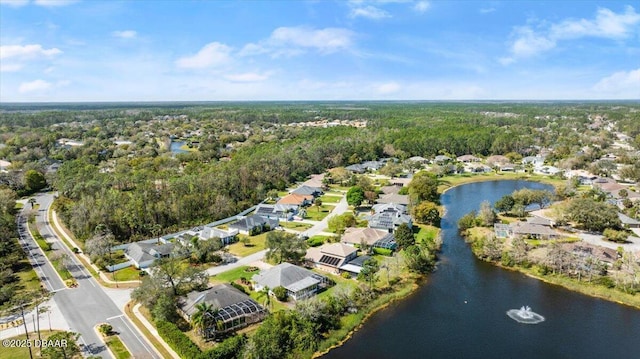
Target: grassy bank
[117, 347]
[591, 288]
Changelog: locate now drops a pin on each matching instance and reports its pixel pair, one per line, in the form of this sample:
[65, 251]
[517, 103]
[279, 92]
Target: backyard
[255, 244]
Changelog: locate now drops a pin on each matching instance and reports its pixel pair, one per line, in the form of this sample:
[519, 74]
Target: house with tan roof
[372, 237]
[330, 257]
[467, 159]
[296, 199]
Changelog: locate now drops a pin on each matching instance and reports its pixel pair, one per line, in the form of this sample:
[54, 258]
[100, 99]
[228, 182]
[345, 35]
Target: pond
[461, 311]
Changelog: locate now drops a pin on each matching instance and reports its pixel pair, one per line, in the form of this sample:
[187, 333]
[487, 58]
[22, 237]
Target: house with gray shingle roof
[308, 190]
[254, 222]
[233, 310]
[299, 282]
[389, 221]
[144, 254]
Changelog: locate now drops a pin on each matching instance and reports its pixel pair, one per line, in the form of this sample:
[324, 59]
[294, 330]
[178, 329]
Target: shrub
[345, 275]
[239, 287]
[315, 241]
[177, 340]
[230, 348]
[105, 329]
[76, 250]
[383, 251]
[281, 293]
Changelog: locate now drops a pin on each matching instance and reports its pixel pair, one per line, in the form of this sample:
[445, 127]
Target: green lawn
[317, 214]
[296, 226]
[233, 274]
[330, 199]
[117, 347]
[426, 232]
[124, 274]
[256, 245]
[19, 205]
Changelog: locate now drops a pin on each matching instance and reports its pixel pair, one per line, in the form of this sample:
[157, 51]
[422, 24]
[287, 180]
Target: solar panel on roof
[329, 260]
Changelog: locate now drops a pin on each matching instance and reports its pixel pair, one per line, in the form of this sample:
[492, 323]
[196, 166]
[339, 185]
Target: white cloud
[14, 3]
[606, 24]
[487, 10]
[211, 55]
[421, 6]
[33, 86]
[369, 12]
[624, 84]
[4, 67]
[26, 51]
[530, 43]
[125, 34]
[388, 88]
[325, 40]
[248, 77]
[54, 3]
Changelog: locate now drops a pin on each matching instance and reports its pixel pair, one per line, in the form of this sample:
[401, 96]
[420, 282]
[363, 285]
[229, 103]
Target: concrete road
[88, 305]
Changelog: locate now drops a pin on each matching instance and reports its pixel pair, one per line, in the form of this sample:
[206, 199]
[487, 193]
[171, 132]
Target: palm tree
[265, 293]
[204, 313]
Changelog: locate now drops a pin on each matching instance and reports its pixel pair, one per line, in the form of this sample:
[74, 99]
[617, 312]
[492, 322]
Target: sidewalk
[152, 330]
[103, 277]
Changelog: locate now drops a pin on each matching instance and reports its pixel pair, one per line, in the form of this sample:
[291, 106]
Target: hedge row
[177, 340]
[231, 348]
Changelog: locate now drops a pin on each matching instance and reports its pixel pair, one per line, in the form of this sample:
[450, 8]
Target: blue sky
[92, 50]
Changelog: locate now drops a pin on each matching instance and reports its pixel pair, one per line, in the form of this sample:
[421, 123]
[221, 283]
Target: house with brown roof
[330, 257]
[604, 255]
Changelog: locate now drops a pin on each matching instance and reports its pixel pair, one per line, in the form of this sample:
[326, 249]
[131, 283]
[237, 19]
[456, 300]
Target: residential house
[391, 195]
[356, 168]
[227, 237]
[233, 310]
[354, 266]
[468, 159]
[308, 191]
[531, 230]
[376, 238]
[604, 255]
[535, 161]
[628, 222]
[389, 207]
[4, 165]
[280, 211]
[441, 159]
[144, 254]
[389, 221]
[250, 224]
[497, 160]
[373, 165]
[418, 159]
[330, 257]
[294, 199]
[299, 282]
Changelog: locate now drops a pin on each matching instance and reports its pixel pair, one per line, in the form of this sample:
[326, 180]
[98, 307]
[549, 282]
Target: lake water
[461, 311]
[175, 147]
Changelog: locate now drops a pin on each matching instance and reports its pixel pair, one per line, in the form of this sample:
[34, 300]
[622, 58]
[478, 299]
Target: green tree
[593, 215]
[355, 196]
[204, 314]
[404, 236]
[339, 223]
[419, 259]
[284, 247]
[68, 351]
[427, 213]
[423, 187]
[486, 215]
[505, 204]
[369, 272]
[34, 181]
[280, 293]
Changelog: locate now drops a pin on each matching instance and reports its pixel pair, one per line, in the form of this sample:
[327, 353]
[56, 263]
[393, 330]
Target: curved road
[88, 305]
